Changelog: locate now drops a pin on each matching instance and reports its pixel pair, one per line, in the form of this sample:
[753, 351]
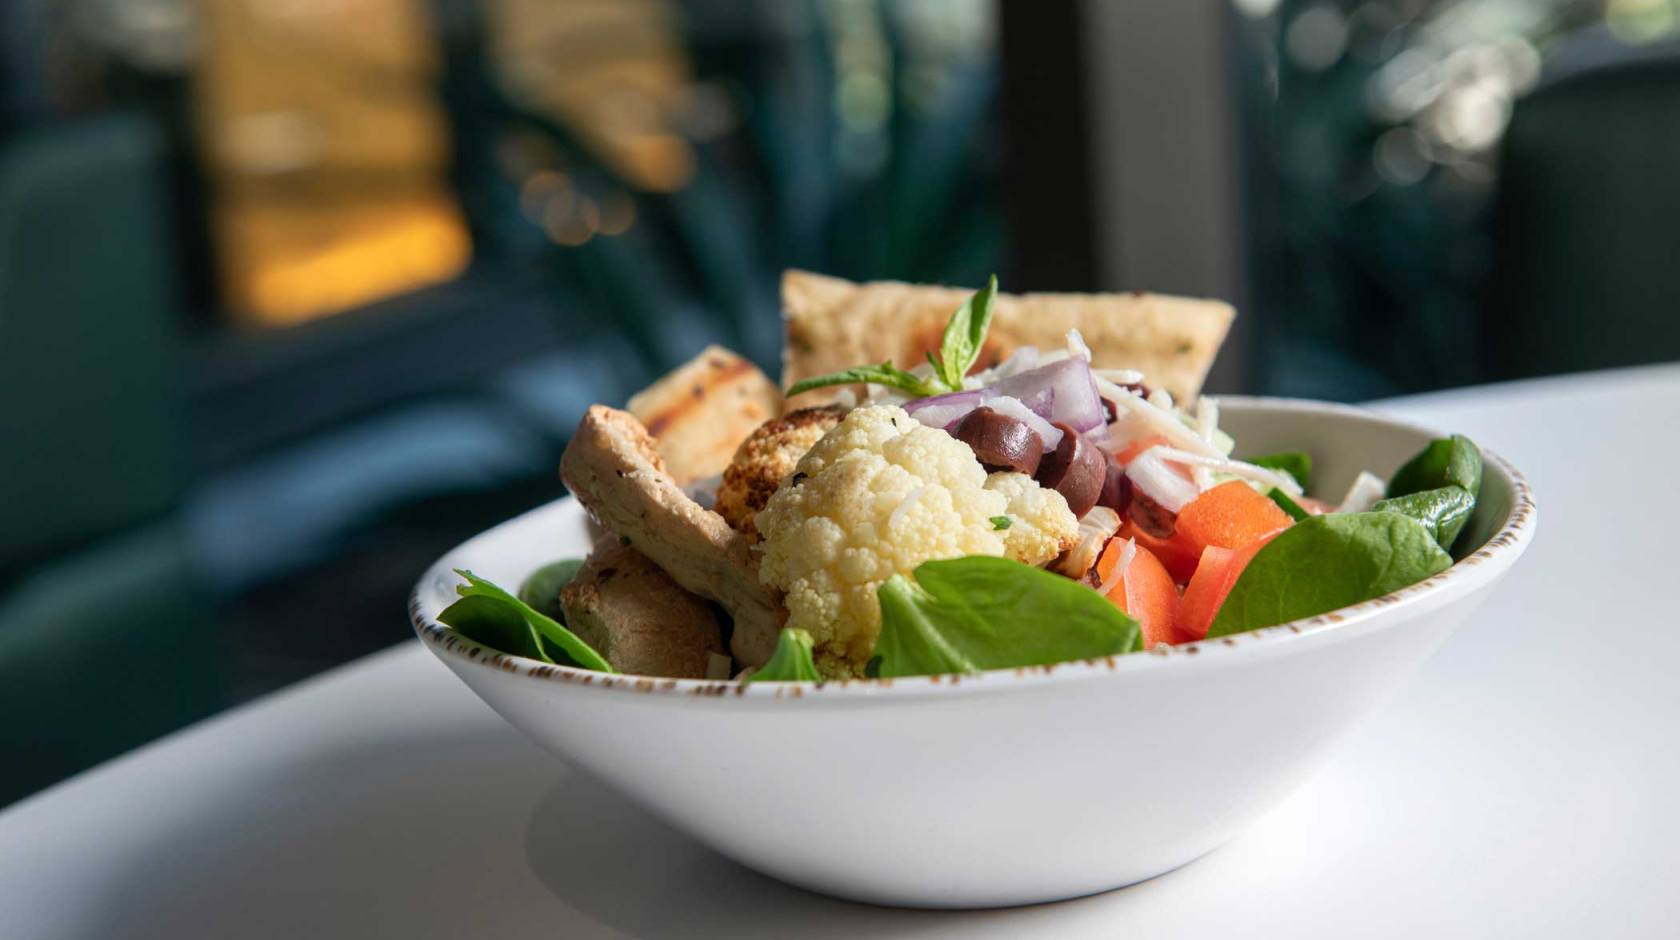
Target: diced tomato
[1231, 515]
[1177, 555]
[1146, 591]
[1212, 582]
[1138, 446]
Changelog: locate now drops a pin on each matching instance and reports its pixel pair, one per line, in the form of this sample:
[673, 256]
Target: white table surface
[1524, 784]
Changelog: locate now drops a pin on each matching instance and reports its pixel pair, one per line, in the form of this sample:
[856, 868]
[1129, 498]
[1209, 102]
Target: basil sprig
[965, 336]
[884, 374]
[959, 350]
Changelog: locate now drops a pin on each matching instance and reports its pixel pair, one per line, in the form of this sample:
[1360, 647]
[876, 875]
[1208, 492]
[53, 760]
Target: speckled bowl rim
[1479, 569]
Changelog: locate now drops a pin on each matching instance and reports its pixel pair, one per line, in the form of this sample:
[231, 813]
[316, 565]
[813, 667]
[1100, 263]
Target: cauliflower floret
[877, 496]
[1040, 524]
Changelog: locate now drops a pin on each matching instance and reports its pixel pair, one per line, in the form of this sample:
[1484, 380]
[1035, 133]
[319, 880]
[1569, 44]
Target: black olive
[1000, 442]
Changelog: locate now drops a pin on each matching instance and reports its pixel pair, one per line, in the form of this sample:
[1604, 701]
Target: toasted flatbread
[834, 324]
[702, 410]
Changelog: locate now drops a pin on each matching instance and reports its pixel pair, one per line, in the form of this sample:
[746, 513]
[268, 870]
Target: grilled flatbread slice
[702, 410]
[834, 324]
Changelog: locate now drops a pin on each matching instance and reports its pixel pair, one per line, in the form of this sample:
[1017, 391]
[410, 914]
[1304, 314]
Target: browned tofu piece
[834, 324]
[701, 411]
[644, 623]
[612, 468]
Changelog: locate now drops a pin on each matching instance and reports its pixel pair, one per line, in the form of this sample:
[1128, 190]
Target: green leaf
[791, 662]
[980, 612]
[884, 374]
[576, 650]
[1443, 511]
[1328, 562]
[542, 587]
[490, 622]
[1288, 505]
[965, 336]
[1447, 461]
[999, 523]
[1294, 463]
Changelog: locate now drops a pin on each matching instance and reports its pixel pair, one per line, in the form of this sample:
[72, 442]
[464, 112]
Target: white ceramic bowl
[1014, 786]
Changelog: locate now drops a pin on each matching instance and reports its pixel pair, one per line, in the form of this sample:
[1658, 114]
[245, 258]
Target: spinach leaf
[791, 662]
[980, 612]
[562, 640]
[1287, 505]
[884, 374]
[542, 588]
[1294, 462]
[1327, 562]
[1447, 461]
[965, 334]
[1443, 511]
[489, 622]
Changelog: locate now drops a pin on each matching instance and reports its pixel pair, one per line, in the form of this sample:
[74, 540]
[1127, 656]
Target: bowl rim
[1479, 568]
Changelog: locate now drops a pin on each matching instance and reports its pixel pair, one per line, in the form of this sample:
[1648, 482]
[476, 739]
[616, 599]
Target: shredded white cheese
[1123, 564]
[1236, 468]
[903, 508]
[1138, 417]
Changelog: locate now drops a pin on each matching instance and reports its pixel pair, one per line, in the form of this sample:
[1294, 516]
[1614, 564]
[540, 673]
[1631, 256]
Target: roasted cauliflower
[877, 496]
[766, 458]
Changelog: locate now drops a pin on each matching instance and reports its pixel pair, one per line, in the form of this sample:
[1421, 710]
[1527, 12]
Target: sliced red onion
[1012, 407]
[1152, 476]
[941, 411]
[1061, 391]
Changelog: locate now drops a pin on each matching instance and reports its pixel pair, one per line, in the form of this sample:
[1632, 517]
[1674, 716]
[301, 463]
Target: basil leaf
[1447, 461]
[542, 587]
[791, 662]
[1443, 511]
[1294, 462]
[884, 374]
[1328, 562]
[965, 336]
[576, 650]
[1288, 505]
[980, 612]
[1000, 523]
[490, 622]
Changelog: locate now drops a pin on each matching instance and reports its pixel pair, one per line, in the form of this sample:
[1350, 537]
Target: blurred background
[296, 294]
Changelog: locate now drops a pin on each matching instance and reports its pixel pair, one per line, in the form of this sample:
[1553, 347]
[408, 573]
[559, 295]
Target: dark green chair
[1587, 265]
[103, 627]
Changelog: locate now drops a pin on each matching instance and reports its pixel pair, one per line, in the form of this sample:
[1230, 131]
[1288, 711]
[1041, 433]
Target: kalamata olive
[1000, 442]
[1152, 517]
[1117, 488]
[1076, 469]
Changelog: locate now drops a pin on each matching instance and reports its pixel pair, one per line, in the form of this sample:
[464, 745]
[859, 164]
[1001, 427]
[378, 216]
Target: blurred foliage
[1373, 131]
[667, 162]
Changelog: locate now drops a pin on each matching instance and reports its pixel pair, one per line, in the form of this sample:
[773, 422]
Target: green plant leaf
[1288, 505]
[884, 374]
[981, 612]
[965, 336]
[1328, 562]
[490, 622]
[547, 628]
[1294, 462]
[542, 587]
[999, 523]
[1443, 511]
[1447, 461]
[791, 662]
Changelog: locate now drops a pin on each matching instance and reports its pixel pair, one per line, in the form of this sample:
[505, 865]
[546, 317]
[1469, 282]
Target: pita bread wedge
[702, 410]
[834, 324]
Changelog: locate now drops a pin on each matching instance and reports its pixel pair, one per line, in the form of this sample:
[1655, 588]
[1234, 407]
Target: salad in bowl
[999, 504]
